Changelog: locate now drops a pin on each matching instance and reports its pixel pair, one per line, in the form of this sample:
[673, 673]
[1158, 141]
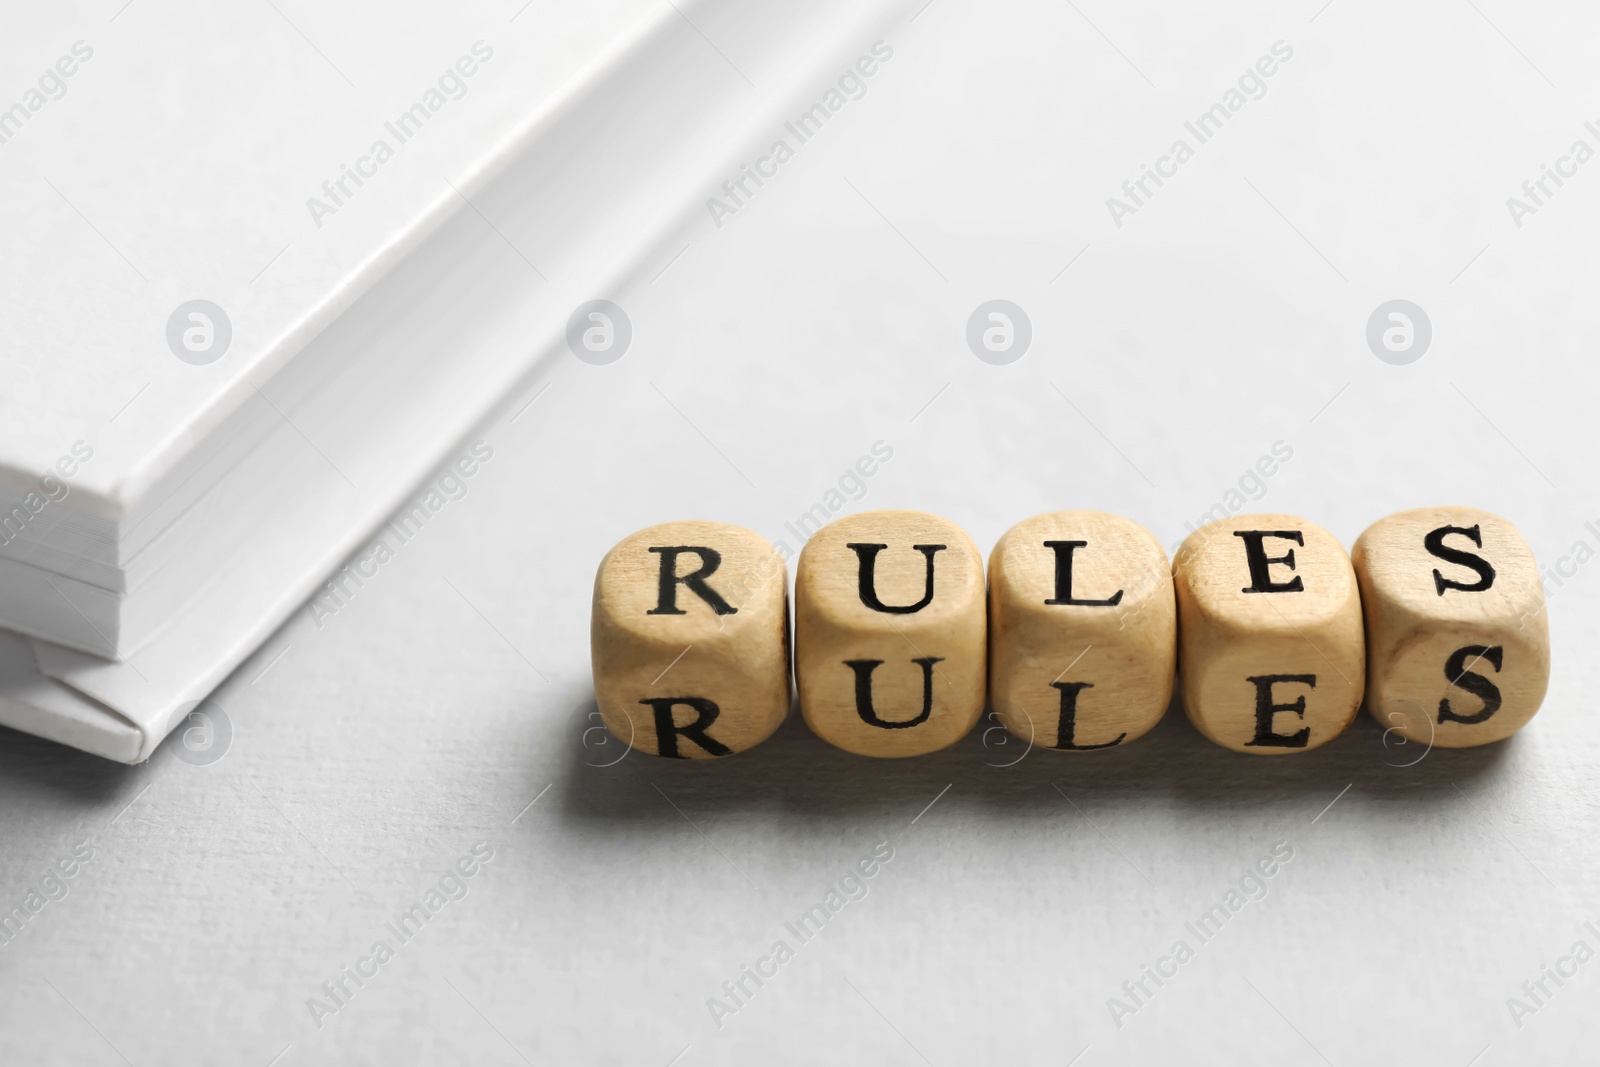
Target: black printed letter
[1063, 551]
[1434, 543]
[667, 732]
[864, 669]
[1069, 716]
[1455, 669]
[667, 600]
[868, 554]
[1260, 578]
[1266, 709]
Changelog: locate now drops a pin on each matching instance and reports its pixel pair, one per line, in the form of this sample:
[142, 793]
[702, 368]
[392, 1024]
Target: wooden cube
[1083, 635]
[1271, 657]
[890, 633]
[690, 639]
[1458, 645]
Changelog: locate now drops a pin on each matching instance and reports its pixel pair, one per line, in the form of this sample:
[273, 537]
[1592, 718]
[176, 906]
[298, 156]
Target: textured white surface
[370, 752]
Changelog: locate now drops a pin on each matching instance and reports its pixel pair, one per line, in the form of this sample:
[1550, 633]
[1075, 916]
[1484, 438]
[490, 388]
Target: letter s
[1458, 672]
[1434, 543]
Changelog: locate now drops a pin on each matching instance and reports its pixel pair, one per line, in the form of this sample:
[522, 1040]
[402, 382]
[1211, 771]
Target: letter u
[864, 669]
[868, 586]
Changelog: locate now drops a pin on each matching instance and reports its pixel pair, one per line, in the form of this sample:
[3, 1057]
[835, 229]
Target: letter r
[670, 579]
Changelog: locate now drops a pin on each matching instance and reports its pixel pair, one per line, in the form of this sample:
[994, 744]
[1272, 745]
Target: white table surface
[371, 749]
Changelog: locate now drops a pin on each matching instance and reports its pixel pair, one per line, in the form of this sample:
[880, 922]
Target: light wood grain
[731, 650]
[1080, 676]
[1438, 653]
[1226, 636]
[915, 706]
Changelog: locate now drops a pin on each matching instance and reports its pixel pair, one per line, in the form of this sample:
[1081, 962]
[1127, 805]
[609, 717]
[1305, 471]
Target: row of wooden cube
[1273, 633]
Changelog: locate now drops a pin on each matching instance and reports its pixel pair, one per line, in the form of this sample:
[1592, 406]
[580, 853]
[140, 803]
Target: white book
[169, 279]
[179, 498]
